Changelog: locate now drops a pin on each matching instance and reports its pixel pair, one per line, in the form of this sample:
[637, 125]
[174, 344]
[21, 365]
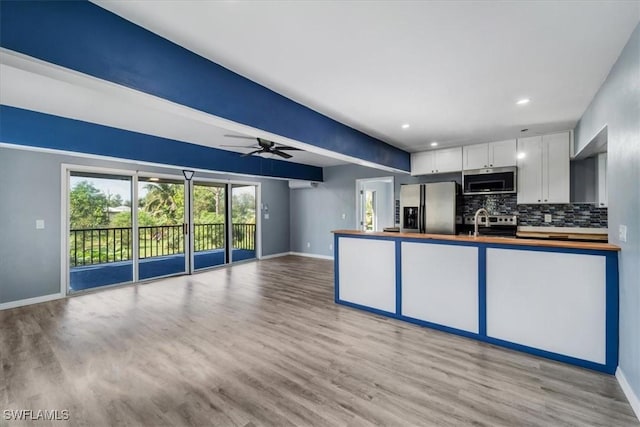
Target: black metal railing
[91, 246]
[208, 236]
[244, 236]
[160, 240]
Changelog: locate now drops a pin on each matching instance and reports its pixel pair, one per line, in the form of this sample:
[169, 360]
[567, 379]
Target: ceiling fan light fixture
[523, 101]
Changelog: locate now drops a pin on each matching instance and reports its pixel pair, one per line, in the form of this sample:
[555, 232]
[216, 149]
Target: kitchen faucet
[481, 211]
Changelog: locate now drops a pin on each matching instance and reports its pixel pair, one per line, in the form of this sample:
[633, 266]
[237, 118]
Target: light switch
[39, 224]
[266, 216]
[344, 216]
[622, 231]
[547, 217]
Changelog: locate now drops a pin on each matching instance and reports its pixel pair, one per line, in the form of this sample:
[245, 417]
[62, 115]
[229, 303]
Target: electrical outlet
[547, 217]
[622, 233]
[39, 224]
[330, 246]
[344, 216]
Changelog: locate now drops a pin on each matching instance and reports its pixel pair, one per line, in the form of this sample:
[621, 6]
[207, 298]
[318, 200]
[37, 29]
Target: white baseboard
[29, 301]
[329, 257]
[275, 255]
[632, 397]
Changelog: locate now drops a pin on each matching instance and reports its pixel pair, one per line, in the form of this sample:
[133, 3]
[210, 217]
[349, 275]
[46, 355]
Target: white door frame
[359, 206]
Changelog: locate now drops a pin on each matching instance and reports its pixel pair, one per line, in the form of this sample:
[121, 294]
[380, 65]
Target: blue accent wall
[24, 127]
[84, 37]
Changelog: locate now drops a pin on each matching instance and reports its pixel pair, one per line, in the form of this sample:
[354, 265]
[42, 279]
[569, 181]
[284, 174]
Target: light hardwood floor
[263, 343]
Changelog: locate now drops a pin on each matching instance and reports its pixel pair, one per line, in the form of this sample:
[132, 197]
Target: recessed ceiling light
[434, 144]
[523, 101]
[521, 155]
[406, 126]
[154, 179]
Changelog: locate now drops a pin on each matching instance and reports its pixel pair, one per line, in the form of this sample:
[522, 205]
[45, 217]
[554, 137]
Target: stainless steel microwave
[489, 181]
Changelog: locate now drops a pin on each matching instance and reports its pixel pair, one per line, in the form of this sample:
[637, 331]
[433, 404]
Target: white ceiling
[35, 85]
[453, 70]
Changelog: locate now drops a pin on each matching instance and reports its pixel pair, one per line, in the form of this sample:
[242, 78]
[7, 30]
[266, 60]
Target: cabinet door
[555, 168]
[601, 179]
[475, 156]
[448, 160]
[422, 163]
[502, 153]
[530, 170]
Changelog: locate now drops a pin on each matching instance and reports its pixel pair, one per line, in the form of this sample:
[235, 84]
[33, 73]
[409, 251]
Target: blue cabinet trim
[29, 128]
[482, 290]
[398, 277]
[84, 37]
[612, 295]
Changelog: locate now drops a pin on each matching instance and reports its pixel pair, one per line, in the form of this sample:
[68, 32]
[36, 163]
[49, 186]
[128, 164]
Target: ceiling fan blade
[251, 153]
[239, 136]
[277, 152]
[238, 146]
[282, 147]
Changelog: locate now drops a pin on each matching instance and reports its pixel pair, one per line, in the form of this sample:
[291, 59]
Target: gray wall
[30, 190]
[583, 181]
[617, 105]
[316, 212]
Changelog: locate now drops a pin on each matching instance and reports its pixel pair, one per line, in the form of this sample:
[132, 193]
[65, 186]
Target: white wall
[617, 105]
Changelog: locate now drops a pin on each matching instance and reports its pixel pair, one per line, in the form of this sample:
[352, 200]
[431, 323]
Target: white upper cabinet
[555, 168]
[502, 153]
[475, 156]
[543, 169]
[436, 161]
[490, 155]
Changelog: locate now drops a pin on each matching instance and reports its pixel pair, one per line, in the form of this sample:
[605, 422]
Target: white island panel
[548, 300]
[440, 284]
[367, 272]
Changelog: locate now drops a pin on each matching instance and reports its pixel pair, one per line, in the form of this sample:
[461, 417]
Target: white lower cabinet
[367, 274]
[547, 300]
[440, 284]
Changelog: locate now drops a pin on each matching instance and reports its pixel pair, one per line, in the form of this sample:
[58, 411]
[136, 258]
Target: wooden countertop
[488, 239]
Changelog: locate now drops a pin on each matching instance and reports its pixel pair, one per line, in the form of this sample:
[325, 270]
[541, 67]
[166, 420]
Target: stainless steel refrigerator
[428, 208]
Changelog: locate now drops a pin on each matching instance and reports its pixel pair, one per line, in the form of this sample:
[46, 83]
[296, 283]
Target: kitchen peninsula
[555, 299]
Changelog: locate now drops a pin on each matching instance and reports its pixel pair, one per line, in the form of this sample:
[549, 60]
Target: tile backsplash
[563, 215]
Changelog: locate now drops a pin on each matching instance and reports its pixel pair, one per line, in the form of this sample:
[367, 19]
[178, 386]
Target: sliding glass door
[243, 222]
[209, 224]
[123, 227]
[162, 227]
[100, 230]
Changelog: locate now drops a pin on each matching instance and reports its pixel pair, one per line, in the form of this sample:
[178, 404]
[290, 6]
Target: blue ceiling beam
[82, 36]
[33, 129]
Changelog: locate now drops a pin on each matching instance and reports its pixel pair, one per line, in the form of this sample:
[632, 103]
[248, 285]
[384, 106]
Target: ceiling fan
[264, 146]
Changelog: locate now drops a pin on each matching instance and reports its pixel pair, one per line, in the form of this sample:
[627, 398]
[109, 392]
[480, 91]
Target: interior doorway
[375, 203]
